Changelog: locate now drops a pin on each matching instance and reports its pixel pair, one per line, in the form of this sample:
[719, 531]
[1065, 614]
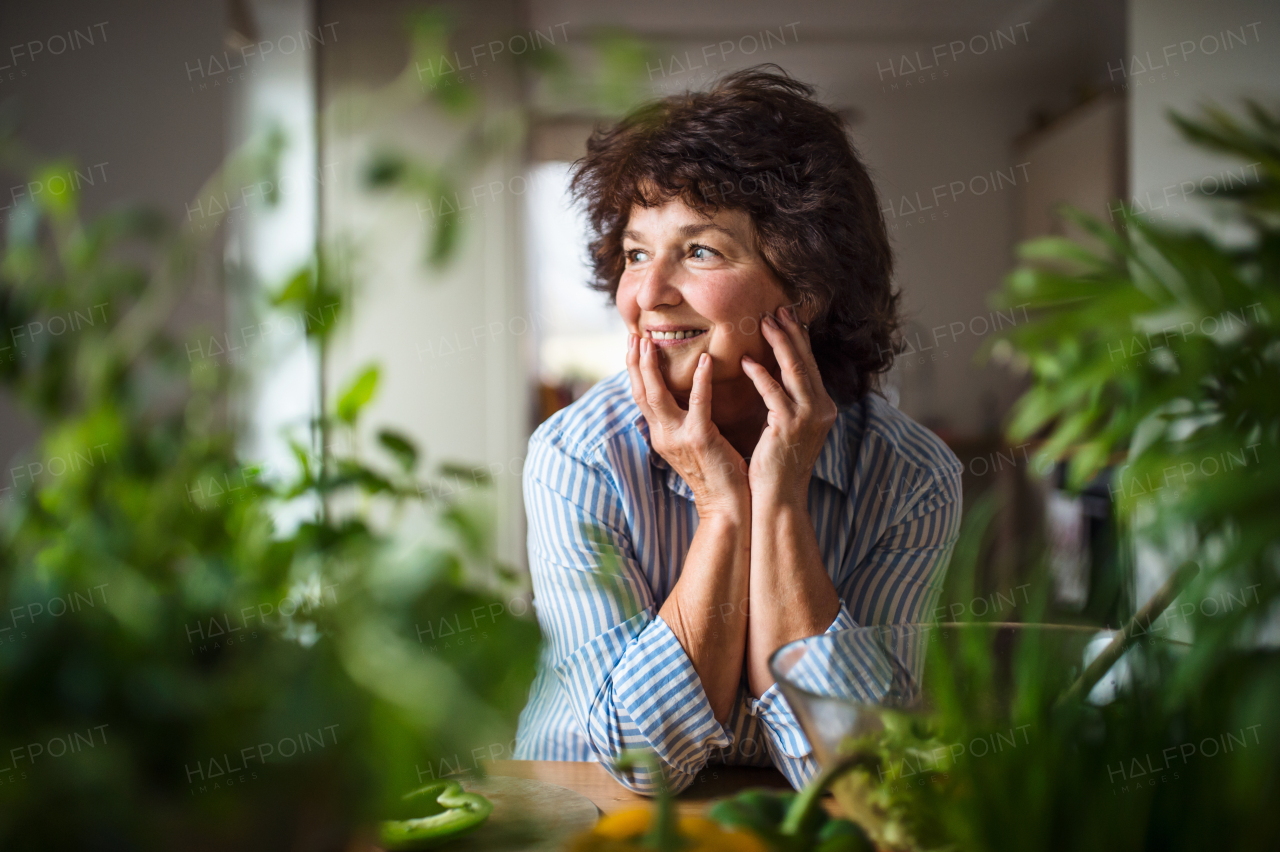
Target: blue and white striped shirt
[610, 524]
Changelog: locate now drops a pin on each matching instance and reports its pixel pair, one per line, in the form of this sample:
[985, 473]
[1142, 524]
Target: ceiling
[878, 20]
[1074, 38]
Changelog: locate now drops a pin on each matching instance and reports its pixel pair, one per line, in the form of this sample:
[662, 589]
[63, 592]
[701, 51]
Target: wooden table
[592, 781]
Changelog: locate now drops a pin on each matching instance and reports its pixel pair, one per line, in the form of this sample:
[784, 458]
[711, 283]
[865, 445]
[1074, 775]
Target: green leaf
[357, 395]
[401, 447]
[443, 240]
[1058, 248]
[471, 528]
[477, 475]
[297, 290]
[385, 169]
[55, 189]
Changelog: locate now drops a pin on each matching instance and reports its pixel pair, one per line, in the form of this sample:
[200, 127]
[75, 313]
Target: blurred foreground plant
[1162, 350]
[175, 671]
[995, 761]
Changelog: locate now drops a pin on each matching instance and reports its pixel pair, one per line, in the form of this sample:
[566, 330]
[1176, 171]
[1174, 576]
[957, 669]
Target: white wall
[1194, 53]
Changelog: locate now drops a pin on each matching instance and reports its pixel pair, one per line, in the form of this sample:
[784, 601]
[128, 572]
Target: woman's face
[695, 283]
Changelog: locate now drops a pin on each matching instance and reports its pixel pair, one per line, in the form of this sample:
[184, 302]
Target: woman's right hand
[688, 440]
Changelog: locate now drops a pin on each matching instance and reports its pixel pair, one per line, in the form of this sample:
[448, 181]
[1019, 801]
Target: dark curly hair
[759, 142]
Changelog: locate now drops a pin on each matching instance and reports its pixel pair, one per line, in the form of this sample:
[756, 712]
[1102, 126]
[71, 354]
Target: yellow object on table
[623, 830]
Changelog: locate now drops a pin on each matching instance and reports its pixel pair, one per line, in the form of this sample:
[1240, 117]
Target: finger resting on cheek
[795, 336]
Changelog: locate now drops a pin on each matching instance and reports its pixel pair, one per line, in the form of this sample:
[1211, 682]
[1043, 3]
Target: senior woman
[740, 484]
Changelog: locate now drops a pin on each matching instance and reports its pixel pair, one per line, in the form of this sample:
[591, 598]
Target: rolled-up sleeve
[629, 682]
[898, 582]
[788, 747]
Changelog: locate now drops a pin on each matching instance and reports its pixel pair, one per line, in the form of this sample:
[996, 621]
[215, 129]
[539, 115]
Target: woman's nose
[658, 288]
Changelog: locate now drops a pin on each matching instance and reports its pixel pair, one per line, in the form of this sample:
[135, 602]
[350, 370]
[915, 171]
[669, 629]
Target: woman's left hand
[800, 415]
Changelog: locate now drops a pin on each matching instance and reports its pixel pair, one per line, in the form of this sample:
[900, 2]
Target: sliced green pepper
[760, 811]
[459, 812]
[841, 835]
[794, 822]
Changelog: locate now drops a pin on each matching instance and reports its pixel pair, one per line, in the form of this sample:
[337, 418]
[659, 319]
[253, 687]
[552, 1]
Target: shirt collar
[833, 465]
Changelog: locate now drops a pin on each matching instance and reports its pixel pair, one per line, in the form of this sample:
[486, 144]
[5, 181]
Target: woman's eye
[701, 252]
[637, 256]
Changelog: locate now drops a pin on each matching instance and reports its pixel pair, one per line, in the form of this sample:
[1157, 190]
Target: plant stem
[664, 833]
[1140, 623]
[322, 394]
[803, 804]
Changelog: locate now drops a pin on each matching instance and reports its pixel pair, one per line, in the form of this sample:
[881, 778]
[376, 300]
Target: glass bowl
[840, 684]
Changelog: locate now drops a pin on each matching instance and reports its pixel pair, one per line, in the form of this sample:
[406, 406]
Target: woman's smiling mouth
[673, 337]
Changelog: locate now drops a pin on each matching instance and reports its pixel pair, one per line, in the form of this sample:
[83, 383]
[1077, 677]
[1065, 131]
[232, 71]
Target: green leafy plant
[176, 669]
[1154, 355]
[1162, 350]
[997, 761]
